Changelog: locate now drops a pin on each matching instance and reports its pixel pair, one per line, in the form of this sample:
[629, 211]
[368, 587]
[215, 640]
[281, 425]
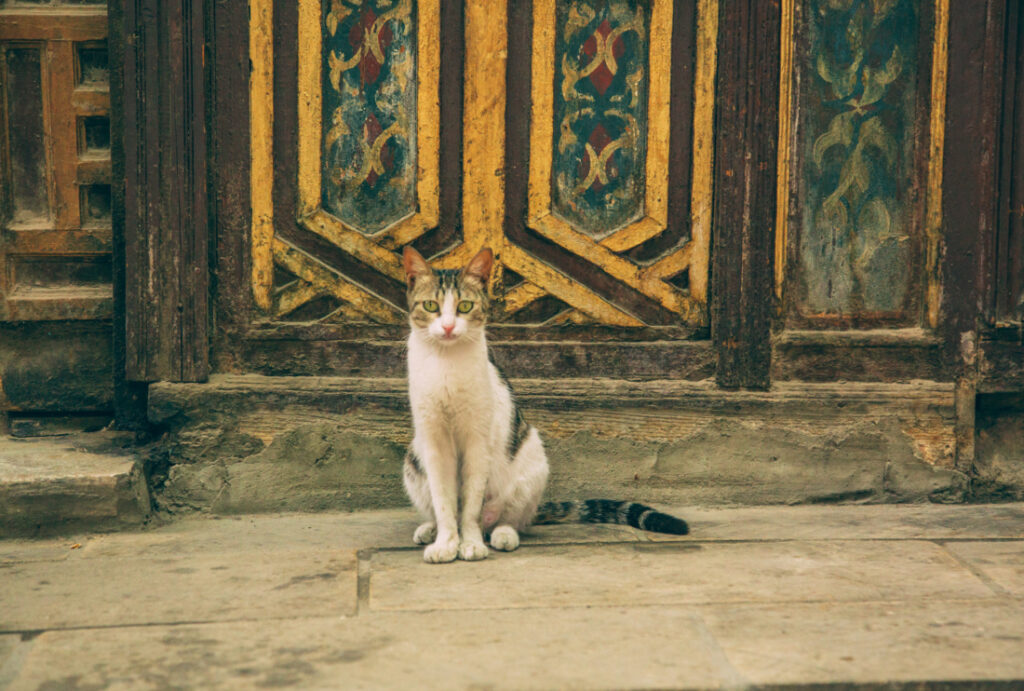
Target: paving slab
[393, 528]
[211, 587]
[871, 522]
[877, 643]
[679, 573]
[838, 596]
[390, 529]
[517, 649]
[1002, 562]
[214, 535]
[12, 551]
[8, 646]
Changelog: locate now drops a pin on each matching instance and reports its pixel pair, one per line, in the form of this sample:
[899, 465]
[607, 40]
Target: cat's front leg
[475, 472]
[441, 466]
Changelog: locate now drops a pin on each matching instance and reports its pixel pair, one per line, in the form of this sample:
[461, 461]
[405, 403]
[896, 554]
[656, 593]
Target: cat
[475, 466]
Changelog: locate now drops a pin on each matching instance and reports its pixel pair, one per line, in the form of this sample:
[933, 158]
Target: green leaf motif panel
[857, 144]
[369, 111]
[600, 113]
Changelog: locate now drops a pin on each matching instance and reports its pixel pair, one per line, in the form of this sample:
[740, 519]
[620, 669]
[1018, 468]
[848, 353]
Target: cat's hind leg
[521, 503]
[425, 533]
[415, 480]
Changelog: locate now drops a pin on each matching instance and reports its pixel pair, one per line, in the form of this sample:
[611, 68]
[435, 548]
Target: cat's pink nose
[448, 329]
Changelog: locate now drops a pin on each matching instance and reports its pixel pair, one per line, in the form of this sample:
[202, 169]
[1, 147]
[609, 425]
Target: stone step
[54, 485]
[250, 443]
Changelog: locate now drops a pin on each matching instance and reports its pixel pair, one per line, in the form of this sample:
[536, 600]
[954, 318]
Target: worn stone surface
[838, 596]
[12, 650]
[23, 550]
[1000, 562]
[243, 443]
[393, 529]
[871, 643]
[999, 465]
[67, 483]
[438, 650]
[747, 461]
[876, 521]
[676, 574]
[229, 585]
[312, 467]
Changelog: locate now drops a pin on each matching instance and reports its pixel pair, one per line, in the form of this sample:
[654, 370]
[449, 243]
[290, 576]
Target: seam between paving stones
[29, 635]
[364, 566]
[978, 573]
[11, 668]
[718, 541]
[731, 677]
[709, 604]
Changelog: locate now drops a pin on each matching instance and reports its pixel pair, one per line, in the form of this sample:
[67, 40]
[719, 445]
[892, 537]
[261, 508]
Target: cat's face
[448, 306]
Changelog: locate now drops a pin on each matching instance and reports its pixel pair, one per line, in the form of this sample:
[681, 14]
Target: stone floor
[912, 596]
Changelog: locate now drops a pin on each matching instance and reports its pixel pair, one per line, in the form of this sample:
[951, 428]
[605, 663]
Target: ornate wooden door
[573, 137]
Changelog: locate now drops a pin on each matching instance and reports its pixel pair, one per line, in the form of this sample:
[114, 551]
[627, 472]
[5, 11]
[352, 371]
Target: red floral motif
[363, 33]
[602, 76]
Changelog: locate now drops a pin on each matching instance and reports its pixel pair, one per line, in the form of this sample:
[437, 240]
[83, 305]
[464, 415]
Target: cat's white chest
[449, 387]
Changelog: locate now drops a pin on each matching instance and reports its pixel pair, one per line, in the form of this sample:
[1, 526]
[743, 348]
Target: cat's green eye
[431, 306]
[465, 306]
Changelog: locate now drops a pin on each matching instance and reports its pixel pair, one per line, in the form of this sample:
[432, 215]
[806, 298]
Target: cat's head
[448, 306]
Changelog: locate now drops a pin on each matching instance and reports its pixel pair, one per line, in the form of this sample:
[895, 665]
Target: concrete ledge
[254, 443]
[59, 485]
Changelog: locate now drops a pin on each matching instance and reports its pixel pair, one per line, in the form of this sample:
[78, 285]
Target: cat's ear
[415, 265]
[479, 267]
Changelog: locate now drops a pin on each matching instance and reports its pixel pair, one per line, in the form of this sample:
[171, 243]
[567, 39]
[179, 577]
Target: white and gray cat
[475, 466]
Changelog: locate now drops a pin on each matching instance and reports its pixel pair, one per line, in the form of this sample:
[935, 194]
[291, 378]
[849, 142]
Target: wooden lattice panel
[55, 169]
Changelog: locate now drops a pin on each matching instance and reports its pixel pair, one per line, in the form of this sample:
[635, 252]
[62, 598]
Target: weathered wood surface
[869, 355]
[968, 208]
[746, 147]
[129, 398]
[1007, 275]
[229, 176]
[223, 392]
[554, 359]
[55, 265]
[166, 223]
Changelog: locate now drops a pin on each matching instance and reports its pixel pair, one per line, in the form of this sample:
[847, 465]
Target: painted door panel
[385, 152]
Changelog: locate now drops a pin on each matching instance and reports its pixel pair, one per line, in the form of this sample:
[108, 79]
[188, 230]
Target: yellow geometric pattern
[483, 150]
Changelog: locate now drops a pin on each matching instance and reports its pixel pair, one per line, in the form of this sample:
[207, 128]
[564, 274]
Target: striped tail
[610, 511]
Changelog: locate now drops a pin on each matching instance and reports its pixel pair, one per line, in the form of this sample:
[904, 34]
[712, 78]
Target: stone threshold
[253, 443]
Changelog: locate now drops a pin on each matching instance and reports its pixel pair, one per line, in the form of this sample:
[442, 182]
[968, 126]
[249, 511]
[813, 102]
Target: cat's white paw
[505, 538]
[472, 550]
[425, 534]
[442, 551]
